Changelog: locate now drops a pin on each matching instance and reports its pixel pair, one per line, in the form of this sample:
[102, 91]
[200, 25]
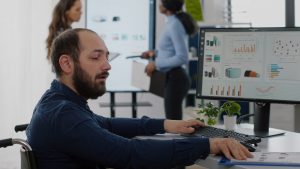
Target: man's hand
[231, 148]
[181, 126]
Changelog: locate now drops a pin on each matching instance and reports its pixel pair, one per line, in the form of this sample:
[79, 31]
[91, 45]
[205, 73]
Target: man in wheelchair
[64, 133]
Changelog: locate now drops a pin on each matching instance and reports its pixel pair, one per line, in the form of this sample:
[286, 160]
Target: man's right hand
[230, 147]
[181, 126]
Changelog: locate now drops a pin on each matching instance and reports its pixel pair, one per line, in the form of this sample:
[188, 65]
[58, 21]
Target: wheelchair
[28, 160]
[27, 155]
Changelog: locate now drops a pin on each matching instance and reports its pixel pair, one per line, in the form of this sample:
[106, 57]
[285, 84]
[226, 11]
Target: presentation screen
[127, 28]
[252, 64]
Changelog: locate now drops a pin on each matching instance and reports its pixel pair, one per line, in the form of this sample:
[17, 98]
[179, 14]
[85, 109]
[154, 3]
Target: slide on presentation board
[125, 27]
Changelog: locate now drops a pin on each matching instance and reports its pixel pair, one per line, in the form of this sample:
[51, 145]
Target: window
[259, 13]
[297, 12]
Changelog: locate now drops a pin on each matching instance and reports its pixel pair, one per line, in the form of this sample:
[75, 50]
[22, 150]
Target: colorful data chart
[286, 47]
[251, 74]
[230, 90]
[214, 58]
[213, 42]
[208, 58]
[244, 50]
[211, 73]
[274, 71]
[233, 72]
[244, 47]
[217, 58]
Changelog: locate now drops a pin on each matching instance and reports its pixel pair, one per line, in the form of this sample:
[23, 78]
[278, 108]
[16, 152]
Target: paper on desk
[139, 78]
[268, 159]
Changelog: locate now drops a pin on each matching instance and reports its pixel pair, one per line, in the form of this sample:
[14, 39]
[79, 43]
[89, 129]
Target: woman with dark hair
[64, 14]
[171, 55]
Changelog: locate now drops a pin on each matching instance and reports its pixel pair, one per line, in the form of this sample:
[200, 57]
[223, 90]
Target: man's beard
[85, 86]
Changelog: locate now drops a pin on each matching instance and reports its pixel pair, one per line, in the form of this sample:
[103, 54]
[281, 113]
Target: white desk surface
[289, 142]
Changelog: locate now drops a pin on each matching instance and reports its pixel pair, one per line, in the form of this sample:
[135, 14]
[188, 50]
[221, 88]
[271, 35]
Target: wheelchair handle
[6, 142]
[21, 127]
[10, 141]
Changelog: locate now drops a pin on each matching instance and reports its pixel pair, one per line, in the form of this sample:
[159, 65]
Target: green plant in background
[211, 112]
[231, 108]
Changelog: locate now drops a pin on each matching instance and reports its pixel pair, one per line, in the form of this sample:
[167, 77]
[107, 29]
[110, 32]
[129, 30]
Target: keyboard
[213, 132]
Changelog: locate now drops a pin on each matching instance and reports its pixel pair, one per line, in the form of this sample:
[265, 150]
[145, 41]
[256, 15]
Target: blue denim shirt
[64, 133]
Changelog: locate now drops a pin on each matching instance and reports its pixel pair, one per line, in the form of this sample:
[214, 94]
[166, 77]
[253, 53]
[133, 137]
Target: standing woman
[171, 56]
[64, 14]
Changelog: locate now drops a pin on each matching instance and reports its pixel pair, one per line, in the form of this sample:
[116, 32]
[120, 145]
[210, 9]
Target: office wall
[24, 71]
[214, 12]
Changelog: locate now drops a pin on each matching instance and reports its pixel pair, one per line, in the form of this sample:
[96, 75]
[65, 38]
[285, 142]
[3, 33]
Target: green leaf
[231, 108]
[211, 111]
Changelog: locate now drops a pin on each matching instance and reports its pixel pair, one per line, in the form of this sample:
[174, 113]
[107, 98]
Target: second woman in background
[64, 14]
[171, 55]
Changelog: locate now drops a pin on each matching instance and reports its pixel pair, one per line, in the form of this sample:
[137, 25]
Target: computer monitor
[260, 65]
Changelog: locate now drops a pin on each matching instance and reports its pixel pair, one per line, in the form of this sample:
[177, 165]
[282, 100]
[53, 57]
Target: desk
[133, 104]
[289, 142]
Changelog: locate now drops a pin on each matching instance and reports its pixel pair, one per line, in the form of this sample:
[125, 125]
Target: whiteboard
[127, 28]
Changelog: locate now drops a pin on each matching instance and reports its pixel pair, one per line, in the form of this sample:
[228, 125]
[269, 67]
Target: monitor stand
[262, 121]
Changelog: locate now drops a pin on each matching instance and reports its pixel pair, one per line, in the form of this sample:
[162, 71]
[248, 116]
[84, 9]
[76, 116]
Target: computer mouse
[248, 146]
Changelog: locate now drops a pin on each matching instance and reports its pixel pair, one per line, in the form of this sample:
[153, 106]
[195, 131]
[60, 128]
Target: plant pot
[211, 121]
[229, 122]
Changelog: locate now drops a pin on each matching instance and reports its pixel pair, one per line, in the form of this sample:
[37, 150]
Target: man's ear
[66, 64]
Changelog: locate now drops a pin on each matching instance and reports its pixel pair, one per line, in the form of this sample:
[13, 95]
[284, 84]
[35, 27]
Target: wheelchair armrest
[9, 142]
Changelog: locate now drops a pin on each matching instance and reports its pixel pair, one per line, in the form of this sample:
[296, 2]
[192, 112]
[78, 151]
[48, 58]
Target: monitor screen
[127, 28]
[261, 65]
[251, 64]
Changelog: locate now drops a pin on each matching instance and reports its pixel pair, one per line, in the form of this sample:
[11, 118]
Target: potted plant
[210, 113]
[232, 109]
